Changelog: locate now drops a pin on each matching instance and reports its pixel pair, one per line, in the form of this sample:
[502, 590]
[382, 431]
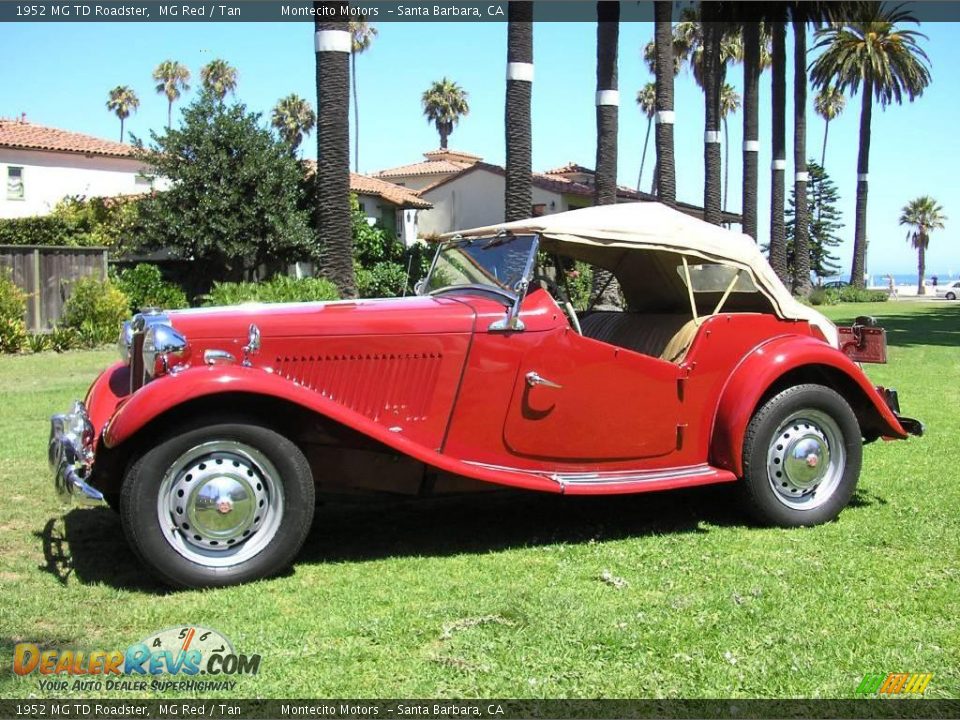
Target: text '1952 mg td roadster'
[216, 431]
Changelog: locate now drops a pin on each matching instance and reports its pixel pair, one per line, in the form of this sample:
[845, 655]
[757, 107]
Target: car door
[579, 399]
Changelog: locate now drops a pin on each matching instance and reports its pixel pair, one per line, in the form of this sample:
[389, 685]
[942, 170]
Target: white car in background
[950, 291]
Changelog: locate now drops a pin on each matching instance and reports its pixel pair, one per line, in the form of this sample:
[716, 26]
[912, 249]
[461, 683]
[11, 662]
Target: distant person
[892, 288]
[934, 280]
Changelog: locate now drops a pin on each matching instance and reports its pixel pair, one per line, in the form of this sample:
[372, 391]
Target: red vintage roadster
[218, 428]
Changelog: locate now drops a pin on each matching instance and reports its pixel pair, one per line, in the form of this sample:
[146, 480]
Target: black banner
[379, 11]
[505, 709]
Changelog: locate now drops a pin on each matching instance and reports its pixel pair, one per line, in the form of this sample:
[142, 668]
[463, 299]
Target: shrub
[278, 289]
[383, 279]
[852, 294]
[95, 310]
[145, 287]
[819, 296]
[74, 222]
[63, 339]
[13, 310]
[38, 342]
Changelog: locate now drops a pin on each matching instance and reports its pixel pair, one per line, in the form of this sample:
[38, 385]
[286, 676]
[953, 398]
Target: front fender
[166, 393]
[764, 366]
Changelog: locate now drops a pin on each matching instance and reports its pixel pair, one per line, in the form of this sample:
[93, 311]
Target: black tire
[951, 296]
[170, 553]
[800, 430]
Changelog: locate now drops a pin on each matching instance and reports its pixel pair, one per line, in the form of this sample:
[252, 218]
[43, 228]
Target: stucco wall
[474, 199]
[48, 177]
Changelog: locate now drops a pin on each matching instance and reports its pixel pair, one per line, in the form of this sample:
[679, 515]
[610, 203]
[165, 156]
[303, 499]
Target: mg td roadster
[218, 428]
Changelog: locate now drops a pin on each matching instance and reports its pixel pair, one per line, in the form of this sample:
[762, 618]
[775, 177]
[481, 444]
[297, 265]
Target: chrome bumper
[71, 457]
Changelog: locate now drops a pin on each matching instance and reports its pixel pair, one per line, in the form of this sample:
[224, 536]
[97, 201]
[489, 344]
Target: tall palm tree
[332, 44]
[123, 101]
[778, 237]
[828, 104]
[647, 102]
[752, 68]
[173, 78]
[664, 72]
[362, 35]
[711, 74]
[444, 103]
[873, 52]
[293, 117]
[518, 198]
[922, 215]
[800, 15]
[605, 288]
[729, 104]
[218, 78]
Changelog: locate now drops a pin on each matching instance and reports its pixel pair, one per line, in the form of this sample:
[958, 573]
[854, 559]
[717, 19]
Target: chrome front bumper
[71, 456]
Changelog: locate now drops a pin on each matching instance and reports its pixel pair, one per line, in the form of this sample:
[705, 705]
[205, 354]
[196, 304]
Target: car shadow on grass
[87, 546]
[939, 326]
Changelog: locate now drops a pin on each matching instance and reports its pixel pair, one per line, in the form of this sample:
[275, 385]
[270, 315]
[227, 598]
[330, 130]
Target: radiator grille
[379, 386]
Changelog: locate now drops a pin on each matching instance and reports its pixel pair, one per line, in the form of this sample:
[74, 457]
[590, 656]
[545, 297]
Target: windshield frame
[513, 295]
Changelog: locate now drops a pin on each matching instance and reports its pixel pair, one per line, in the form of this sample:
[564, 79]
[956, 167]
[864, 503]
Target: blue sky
[63, 73]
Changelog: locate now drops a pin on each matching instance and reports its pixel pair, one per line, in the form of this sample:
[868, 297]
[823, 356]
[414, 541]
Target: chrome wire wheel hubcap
[220, 503]
[806, 459]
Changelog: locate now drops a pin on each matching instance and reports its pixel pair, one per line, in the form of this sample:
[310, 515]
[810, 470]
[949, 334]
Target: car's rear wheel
[951, 296]
[219, 505]
[802, 454]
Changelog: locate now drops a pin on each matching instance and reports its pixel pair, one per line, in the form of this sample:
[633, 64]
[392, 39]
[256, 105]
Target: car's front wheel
[801, 454]
[221, 504]
[951, 296]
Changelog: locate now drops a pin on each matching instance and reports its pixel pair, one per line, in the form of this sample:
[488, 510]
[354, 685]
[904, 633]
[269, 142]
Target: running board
[623, 481]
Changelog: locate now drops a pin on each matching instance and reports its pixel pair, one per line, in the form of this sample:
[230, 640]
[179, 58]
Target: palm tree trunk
[443, 137]
[605, 288]
[711, 129]
[643, 156]
[356, 112]
[921, 267]
[332, 45]
[751, 125]
[121, 129]
[169, 113]
[823, 152]
[518, 200]
[726, 163]
[801, 227]
[859, 265]
[778, 243]
[666, 176]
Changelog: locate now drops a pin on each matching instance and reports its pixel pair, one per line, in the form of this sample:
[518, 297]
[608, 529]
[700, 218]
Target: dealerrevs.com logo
[181, 652]
[893, 684]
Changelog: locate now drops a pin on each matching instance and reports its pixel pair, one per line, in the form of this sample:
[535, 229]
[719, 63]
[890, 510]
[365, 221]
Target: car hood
[393, 316]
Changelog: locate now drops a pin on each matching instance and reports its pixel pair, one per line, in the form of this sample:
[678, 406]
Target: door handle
[533, 379]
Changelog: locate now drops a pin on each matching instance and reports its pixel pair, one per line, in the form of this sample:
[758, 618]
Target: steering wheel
[550, 286]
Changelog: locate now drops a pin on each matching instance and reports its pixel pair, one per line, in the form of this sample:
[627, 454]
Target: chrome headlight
[163, 349]
[125, 341]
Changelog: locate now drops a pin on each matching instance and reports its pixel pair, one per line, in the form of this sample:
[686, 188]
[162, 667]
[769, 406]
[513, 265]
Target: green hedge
[278, 289]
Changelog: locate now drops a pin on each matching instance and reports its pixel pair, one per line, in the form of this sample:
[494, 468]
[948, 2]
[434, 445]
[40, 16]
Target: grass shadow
[939, 326]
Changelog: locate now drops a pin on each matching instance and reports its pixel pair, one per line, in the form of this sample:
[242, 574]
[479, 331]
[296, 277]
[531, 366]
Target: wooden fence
[47, 273]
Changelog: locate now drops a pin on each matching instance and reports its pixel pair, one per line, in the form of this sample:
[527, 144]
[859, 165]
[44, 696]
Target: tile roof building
[41, 165]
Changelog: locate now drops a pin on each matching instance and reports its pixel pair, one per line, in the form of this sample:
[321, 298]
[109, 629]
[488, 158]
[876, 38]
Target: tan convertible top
[653, 226]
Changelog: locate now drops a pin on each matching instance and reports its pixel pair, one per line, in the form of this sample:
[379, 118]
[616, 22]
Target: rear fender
[166, 394]
[783, 362]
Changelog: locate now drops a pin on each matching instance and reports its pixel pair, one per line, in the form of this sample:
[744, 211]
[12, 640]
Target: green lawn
[504, 596]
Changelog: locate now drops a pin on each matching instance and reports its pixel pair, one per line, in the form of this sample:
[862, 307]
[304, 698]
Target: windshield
[500, 263]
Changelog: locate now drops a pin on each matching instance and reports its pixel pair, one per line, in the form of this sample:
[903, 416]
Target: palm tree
[729, 104]
[752, 68]
[922, 215]
[518, 197]
[828, 104]
[800, 15]
[293, 117]
[605, 288]
[647, 101]
[123, 101]
[874, 51]
[444, 103]
[218, 78]
[778, 236]
[172, 79]
[332, 45]
[664, 71]
[362, 34]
